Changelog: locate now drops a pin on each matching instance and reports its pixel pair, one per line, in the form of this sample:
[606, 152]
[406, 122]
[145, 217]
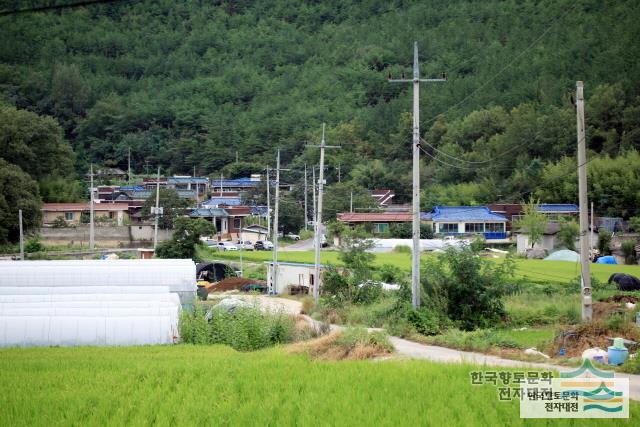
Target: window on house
[68, 216]
[474, 227]
[380, 227]
[494, 227]
[449, 227]
[237, 223]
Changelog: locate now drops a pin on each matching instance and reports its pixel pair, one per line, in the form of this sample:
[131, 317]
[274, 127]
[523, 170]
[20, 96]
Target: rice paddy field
[532, 269]
[215, 385]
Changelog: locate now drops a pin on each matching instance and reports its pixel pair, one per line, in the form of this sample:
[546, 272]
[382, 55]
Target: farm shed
[291, 275]
[96, 302]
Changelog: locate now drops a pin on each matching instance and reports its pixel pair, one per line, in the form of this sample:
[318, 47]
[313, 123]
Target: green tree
[34, 143]
[604, 242]
[533, 222]
[17, 191]
[172, 204]
[185, 238]
[569, 232]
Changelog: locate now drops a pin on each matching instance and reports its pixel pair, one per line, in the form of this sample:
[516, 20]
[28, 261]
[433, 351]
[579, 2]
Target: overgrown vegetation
[243, 328]
[185, 239]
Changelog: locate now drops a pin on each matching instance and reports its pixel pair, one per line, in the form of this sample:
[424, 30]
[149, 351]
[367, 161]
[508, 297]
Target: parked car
[293, 236]
[323, 241]
[245, 245]
[263, 245]
[226, 246]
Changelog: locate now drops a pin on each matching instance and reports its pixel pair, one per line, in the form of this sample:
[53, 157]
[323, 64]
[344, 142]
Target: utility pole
[591, 231]
[129, 166]
[587, 309]
[156, 211]
[415, 255]
[268, 203]
[313, 188]
[21, 235]
[351, 202]
[241, 247]
[318, 223]
[274, 279]
[91, 229]
[221, 184]
[306, 219]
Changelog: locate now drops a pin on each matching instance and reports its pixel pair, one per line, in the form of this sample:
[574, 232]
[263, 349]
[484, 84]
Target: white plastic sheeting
[179, 275]
[96, 302]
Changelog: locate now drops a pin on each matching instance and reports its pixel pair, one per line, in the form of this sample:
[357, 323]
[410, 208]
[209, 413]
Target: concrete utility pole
[318, 223]
[313, 188]
[591, 231]
[91, 229]
[274, 279]
[268, 203]
[156, 211]
[306, 190]
[351, 203]
[129, 166]
[21, 235]
[587, 309]
[221, 185]
[415, 256]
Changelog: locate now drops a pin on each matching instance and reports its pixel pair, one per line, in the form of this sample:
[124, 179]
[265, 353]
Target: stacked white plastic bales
[93, 302]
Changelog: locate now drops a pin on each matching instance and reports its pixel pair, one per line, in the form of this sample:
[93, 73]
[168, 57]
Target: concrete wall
[112, 236]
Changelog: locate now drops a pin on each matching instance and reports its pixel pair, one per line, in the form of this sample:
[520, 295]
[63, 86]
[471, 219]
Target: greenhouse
[95, 302]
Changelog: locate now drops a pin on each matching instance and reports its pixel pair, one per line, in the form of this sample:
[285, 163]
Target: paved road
[438, 354]
[301, 245]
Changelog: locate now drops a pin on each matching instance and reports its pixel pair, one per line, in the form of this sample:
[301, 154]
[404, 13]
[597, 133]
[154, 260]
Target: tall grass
[244, 329]
[215, 385]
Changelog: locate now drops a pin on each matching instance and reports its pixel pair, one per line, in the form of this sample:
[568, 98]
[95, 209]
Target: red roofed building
[380, 221]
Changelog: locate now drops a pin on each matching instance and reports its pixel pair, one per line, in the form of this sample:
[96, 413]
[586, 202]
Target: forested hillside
[190, 83]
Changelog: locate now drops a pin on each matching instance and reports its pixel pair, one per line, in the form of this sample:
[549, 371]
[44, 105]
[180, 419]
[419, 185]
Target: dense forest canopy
[196, 83]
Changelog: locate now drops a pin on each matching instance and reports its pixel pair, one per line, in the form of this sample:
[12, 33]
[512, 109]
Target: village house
[72, 213]
[292, 277]
[228, 221]
[466, 220]
[378, 222]
[201, 185]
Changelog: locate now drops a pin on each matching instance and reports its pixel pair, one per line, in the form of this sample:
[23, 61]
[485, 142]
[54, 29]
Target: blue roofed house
[466, 220]
[188, 183]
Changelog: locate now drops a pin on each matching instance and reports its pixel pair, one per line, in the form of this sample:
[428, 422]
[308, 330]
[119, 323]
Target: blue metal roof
[229, 201]
[562, 207]
[239, 182]
[462, 213]
[145, 194]
[131, 188]
[259, 210]
[187, 180]
[208, 213]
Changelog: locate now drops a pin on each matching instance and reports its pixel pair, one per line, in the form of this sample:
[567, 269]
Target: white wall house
[288, 274]
[452, 220]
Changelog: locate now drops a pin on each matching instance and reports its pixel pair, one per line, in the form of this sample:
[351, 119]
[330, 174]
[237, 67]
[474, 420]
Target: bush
[424, 321]
[33, 245]
[466, 288]
[604, 242]
[59, 222]
[402, 249]
[569, 232]
[389, 273]
[352, 337]
[244, 329]
[629, 250]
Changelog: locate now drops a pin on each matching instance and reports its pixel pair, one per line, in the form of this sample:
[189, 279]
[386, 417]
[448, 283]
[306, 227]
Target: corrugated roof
[238, 182]
[187, 180]
[560, 207]
[208, 213]
[67, 207]
[374, 217]
[229, 201]
[463, 213]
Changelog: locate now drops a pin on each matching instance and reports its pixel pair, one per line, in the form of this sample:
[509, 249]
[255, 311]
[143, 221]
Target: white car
[226, 246]
[293, 236]
[245, 245]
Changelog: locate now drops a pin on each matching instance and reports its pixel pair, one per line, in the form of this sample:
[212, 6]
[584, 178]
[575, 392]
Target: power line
[58, 7]
[458, 159]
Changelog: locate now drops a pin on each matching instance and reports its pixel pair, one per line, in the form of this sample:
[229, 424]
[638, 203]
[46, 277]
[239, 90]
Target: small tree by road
[533, 222]
[186, 237]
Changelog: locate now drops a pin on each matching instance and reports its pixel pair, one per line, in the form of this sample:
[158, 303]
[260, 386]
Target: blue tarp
[606, 260]
[564, 255]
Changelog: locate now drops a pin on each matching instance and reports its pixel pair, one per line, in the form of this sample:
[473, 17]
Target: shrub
[402, 249]
[307, 305]
[244, 329]
[424, 321]
[604, 242]
[467, 288]
[389, 273]
[368, 293]
[629, 250]
[569, 232]
[33, 245]
[59, 222]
